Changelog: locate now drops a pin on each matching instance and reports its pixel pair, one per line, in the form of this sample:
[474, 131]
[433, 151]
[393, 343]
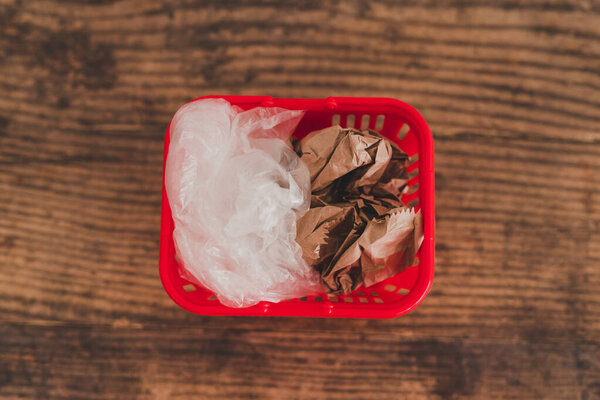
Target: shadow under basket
[395, 296]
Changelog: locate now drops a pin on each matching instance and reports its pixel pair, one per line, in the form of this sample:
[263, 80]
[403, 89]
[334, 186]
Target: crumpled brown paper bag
[357, 230]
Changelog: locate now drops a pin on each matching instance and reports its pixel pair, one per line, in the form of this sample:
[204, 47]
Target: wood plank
[108, 363]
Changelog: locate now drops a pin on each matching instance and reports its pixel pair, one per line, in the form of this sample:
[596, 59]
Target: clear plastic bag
[236, 189]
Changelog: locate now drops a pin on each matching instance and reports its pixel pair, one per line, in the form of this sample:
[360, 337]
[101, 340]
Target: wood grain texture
[511, 91]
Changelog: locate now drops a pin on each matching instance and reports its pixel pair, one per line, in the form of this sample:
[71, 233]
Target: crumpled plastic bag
[236, 188]
[357, 230]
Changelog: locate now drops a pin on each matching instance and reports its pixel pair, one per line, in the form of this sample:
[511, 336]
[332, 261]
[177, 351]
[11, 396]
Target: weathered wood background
[511, 90]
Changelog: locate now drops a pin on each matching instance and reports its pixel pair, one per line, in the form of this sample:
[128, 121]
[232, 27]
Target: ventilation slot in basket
[403, 131]
[189, 287]
[364, 122]
[350, 121]
[379, 122]
[335, 119]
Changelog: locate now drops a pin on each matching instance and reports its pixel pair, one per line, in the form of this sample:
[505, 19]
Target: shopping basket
[395, 296]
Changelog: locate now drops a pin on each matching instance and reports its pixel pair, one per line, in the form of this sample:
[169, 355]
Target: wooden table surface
[511, 91]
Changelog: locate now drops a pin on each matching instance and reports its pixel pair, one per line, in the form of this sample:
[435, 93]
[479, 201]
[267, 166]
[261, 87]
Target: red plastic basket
[398, 295]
